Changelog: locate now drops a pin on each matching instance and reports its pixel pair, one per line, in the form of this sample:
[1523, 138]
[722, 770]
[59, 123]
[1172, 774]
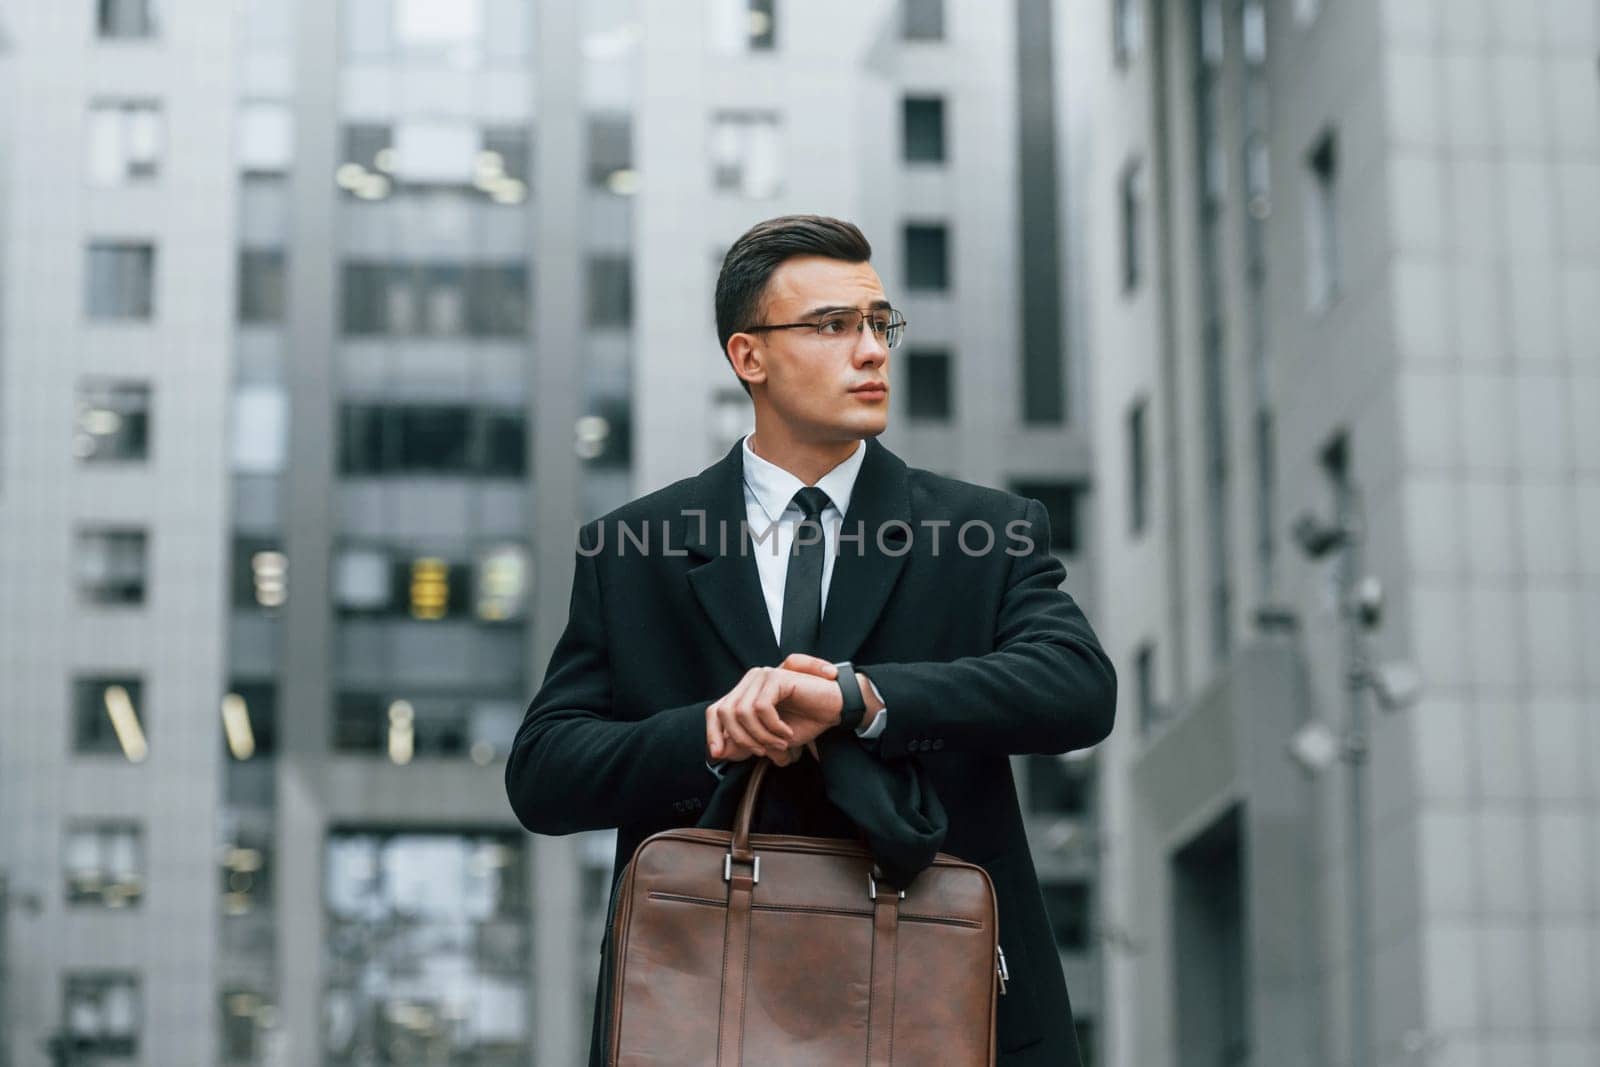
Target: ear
[746, 357]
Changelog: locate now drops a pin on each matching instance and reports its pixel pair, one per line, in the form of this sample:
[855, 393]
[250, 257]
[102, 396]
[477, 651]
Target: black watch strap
[855, 706]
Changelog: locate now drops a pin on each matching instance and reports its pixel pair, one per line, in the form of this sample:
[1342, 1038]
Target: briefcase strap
[880, 1008]
[735, 966]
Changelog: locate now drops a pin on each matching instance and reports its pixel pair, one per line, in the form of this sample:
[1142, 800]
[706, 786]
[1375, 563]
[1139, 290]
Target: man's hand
[774, 711]
[823, 669]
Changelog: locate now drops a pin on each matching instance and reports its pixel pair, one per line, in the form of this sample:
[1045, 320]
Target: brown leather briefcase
[734, 948]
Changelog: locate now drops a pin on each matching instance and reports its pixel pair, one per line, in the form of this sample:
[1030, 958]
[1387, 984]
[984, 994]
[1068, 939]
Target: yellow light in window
[236, 727]
[402, 736]
[125, 722]
[430, 588]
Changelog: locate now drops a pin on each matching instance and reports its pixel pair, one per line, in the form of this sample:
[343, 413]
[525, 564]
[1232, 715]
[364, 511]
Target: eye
[880, 324]
[833, 325]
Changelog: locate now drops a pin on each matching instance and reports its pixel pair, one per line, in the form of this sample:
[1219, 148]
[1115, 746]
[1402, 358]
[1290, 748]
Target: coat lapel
[866, 569]
[728, 585]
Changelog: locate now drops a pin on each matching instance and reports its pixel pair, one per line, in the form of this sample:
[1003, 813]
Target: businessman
[811, 581]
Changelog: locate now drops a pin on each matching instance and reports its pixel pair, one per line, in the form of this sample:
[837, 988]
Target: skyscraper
[1340, 263]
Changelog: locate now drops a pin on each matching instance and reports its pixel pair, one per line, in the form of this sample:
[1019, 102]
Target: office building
[1339, 264]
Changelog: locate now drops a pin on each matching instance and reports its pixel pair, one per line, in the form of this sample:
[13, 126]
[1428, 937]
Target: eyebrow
[876, 305]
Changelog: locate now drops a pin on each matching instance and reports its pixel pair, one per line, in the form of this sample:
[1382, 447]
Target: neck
[806, 460]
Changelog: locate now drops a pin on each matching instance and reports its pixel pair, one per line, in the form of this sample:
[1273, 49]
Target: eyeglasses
[888, 325]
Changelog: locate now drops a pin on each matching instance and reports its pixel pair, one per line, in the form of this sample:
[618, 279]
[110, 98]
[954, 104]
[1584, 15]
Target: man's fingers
[750, 719]
[735, 732]
[713, 733]
[765, 704]
[799, 661]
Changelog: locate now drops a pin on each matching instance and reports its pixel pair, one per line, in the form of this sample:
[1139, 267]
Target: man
[716, 642]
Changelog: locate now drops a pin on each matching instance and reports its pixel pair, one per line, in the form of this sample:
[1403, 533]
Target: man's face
[823, 388]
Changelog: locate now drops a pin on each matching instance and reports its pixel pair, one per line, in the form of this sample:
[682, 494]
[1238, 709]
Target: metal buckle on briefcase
[872, 885]
[755, 874]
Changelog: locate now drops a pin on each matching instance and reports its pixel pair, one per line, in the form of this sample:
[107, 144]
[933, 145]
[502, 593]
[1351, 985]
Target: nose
[870, 349]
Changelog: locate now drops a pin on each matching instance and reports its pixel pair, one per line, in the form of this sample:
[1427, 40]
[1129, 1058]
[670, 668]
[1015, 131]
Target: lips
[875, 389]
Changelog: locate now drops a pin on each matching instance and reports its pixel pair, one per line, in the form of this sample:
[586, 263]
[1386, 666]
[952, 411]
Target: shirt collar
[774, 487]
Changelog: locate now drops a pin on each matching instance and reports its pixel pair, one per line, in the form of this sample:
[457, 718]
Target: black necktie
[802, 588]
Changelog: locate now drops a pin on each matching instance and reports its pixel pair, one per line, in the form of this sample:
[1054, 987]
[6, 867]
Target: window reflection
[432, 439]
[101, 1014]
[434, 155]
[113, 421]
[435, 300]
[426, 725]
[104, 864]
[427, 948]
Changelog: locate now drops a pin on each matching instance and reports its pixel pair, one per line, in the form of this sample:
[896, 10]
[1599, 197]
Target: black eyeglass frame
[894, 314]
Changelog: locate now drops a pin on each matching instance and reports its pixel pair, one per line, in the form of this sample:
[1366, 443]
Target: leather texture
[734, 948]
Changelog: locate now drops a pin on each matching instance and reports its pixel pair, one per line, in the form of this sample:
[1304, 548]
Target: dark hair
[759, 252]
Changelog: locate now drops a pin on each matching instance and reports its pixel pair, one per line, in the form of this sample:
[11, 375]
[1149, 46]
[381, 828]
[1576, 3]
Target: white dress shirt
[769, 499]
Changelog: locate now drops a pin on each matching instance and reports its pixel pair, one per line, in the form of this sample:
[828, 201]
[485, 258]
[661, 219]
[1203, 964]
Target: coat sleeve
[575, 766]
[1048, 687]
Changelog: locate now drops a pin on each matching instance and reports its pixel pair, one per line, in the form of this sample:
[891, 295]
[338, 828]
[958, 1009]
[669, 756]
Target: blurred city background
[324, 323]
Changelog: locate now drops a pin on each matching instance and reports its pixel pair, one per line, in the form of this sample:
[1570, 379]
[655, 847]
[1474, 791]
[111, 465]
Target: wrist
[852, 704]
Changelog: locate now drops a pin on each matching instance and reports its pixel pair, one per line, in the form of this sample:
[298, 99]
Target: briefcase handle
[740, 849]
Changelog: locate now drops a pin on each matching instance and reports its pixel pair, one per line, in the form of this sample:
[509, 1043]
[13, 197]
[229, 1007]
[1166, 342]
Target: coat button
[677, 805]
[938, 743]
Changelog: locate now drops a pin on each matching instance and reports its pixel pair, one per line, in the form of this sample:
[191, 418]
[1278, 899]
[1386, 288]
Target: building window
[1132, 225]
[1059, 786]
[113, 421]
[121, 280]
[922, 20]
[433, 155]
[124, 141]
[610, 291]
[1144, 687]
[123, 20]
[1127, 30]
[375, 581]
[927, 250]
[246, 872]
[1061, 502]
[109, 716]
[1068, 906]
[1322, 223]
[610, 138]
[245, 1015]
[100, 1014]
[1253, 31]
[262, 286]
[605, 434]
[1138, 469]
[111, 565]
[742, 25]
[260, 574]
[922, 129]
[435, 299]
[746, 153]
[421, 924]
[425, 724]
[250, 719]
[432, 439]
[104, 864]
[265, 143]
[928, 385]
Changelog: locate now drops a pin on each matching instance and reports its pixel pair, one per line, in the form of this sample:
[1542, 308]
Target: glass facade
[427, 954]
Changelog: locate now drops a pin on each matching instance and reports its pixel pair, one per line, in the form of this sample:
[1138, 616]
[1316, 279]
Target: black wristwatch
[855, 707]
